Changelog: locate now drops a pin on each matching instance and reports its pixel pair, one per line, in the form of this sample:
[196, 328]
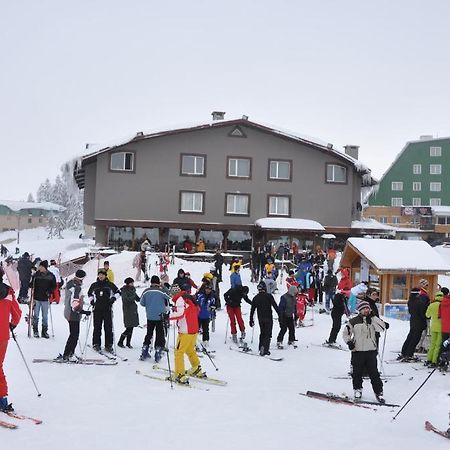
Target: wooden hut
[393, 266]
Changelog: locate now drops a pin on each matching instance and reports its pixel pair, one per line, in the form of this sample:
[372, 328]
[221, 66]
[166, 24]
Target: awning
[289, 223]
[328, 236]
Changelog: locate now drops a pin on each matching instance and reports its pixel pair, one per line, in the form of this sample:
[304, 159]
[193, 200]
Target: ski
[349, 377]
[109, 355]
[22, 417]
[431, 427]
[11, 426]
[334, 399]
[206, 380]
[167, 380]
[347, 399]
[399, 361]
[332, 346]
[85, 362]
[249, 352]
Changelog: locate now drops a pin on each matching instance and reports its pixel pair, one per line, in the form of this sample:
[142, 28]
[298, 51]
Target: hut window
[399, 291]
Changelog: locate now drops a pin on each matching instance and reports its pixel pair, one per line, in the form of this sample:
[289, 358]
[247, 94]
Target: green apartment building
[418, 176]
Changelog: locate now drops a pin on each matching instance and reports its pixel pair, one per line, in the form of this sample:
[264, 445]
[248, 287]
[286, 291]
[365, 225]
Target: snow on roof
[393, 255]
[373, 225]
[281, 223]
[441, 210]
[17, 206]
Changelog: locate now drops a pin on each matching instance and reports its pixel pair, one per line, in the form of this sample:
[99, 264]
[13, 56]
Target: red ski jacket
[10, 311]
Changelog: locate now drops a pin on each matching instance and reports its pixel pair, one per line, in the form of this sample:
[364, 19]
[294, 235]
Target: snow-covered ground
[111, 407]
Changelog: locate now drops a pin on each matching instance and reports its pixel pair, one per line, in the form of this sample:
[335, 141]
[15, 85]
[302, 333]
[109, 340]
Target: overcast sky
[375, 74]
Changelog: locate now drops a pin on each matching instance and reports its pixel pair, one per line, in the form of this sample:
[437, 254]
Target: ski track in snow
[110, 408]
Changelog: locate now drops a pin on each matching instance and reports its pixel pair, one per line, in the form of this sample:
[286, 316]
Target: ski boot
[121, 340]
[180, 379]
[197, 372]
[158, 354]
[294, 345]
[129, 341]
[110, 350]
[357, 394]
[380, 398]
[234, 338]
[44, 333]
[5, 406]
[262, 352]
[35, 332]
[280, 346]
[96, 348]
[144, 353]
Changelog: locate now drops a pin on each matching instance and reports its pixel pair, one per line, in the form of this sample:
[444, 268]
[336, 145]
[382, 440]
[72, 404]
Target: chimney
[218, 115]
[426, 137]
[352, 150]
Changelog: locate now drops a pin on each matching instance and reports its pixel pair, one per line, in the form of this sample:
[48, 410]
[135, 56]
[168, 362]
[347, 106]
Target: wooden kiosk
[393, 266]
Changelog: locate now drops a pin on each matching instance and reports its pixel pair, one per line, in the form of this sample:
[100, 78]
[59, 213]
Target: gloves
[92, 301]
[212, 308]
[112, 299]
[86, 313]
[164, 317]
[368, 320]
[386, 325]
[251, 323]
[351, 345]
[12, 327]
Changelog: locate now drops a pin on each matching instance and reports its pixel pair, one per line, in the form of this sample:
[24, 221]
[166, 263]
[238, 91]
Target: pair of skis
[14, 415]
[85, 361]
[249, 351]
[344, 400]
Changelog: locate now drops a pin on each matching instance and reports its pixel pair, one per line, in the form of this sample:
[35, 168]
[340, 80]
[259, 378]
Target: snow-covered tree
[44, 192]
[30, 198]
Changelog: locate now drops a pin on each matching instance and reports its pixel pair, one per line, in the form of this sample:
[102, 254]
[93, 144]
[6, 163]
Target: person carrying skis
[359, 335]
[206, 300]
[233, 298]
[73, 310]
[129, 309]
[102, 295]
[10, 314]
[263, 303]
[287, 313]
[156, 304]
[44, 283]
[185, 313]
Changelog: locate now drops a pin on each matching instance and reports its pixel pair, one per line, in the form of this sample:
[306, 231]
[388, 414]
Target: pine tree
[30, 198]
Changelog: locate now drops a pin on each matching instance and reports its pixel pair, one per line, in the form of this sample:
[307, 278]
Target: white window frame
[417, 186]
[417, 201]
[123, 168]
[396, 201]
[332, 179]
[275, 199]
[417, 169]
[232, 200]
[435, 202]
[197, 197]
[435, 186]
[435, 169]
[435, 151]
[277, 176]
[395, 220]
[236, 161]
[397, 186]
[198, 171]
[383, 219]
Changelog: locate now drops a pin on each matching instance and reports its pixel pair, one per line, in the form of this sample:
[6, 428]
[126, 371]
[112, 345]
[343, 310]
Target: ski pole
[26, 365]
[226, 329]
[382, 352]
[253, 333]
[417, 390]
[208, 355]
[87, 334]
[166, 332]
[51, 318]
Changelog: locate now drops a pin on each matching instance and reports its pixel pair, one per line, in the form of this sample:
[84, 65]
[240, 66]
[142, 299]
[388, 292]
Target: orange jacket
[10, 311]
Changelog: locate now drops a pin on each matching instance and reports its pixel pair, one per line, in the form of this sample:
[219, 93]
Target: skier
[233, 298]
[130, 313]
[24, 266]
[339, 309]
[10, 314]
[215, 282]
[73, 309]
[185, 313]
[287, 313]
[156, 304]
[139, 265]
[235, 277]
[182, 281]
[190, 283]
[359, 335]
[445, 325]
[218, 263]
[433, 313]
[301, 300]
[109, 272]
[55, 297]
[207, 303]
[318, 284]
[263, 303]
[329, 287]
[44, 284]
[102, 294]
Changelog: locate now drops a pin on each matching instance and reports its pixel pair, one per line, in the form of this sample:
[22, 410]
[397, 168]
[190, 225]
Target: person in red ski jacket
[444, 312]
[301, 303]
[345, 283]
[10, 314]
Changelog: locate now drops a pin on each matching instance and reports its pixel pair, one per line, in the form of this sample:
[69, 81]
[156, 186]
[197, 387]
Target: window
[435, 187]
[435, 151]
[336, 174]
[280, 170]
[239, 167]
[395, 220]
[383, 219]
[396, 201]
[397, 185]
[237, 204]
[417, 186]
[416, 201]
[435, 202]
[417, 169]
[279, 206]
[442, 220]
[30, 220]
[191, 202]
[122, 162]
[193, 165]
[435, 169]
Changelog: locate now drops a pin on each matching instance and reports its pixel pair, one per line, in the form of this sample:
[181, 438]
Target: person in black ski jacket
[73, 309]
[330, 282]
[218, 263]
[102, 294]
[339, 309]
[263, 303]
[417, 306]
[233, 298]
[287, 308]
[24, 266]
[43, 284]
[182, 281]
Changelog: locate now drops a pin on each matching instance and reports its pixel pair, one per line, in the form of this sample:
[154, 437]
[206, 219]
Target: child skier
[301, 299]
[207, 303]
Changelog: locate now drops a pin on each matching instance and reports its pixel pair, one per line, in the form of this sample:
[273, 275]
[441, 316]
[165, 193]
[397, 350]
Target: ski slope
[110, 407]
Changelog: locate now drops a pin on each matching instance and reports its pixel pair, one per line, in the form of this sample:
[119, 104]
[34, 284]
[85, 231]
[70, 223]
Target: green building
[418, 176]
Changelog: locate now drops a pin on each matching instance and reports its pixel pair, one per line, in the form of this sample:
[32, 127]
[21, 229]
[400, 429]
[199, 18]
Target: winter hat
[362, 305]
[187, 274]
[174, 289]
[359, 289]
[101, 271]
[52, 262]
[155, 279]
[209, 276]
[293, 290]
[44, 263]
[26, 255]
[80, 273]
[128, 280]
[445, 290]
[438, 296]
[261, 286]
[423, 283]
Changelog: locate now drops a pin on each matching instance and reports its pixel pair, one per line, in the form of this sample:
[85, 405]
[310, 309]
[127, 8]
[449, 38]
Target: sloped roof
[17, 206]
[288, 223]
[387, 255]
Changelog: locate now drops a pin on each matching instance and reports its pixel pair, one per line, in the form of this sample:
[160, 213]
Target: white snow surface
[111, 407]
[389, 254]
[288, 223]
